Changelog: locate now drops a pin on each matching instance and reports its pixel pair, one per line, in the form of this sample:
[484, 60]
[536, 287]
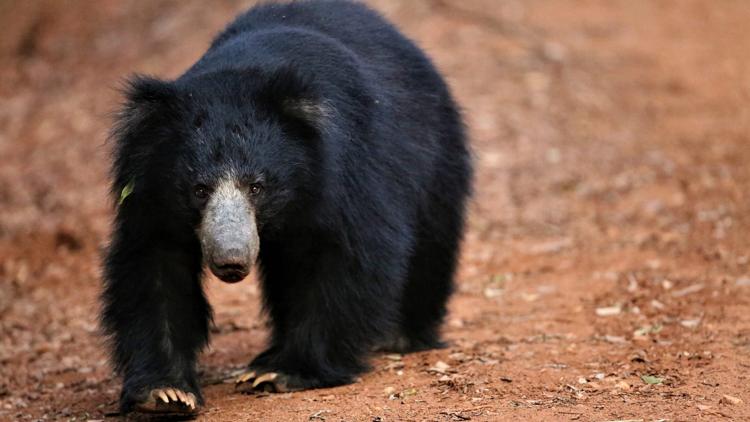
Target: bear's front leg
[157, 317]
[326, 315]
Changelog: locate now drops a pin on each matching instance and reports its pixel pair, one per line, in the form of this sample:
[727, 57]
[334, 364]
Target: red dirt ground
[608, 239]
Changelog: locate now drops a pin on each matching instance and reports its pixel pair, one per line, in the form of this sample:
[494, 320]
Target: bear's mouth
[230, 273]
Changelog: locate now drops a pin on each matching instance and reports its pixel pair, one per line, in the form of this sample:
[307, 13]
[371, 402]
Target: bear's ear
[150, 104]
[295, 98]
[145, 98]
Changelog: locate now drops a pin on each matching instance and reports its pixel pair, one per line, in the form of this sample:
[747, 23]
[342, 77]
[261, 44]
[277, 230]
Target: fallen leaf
[409, 392]
[651, 379]
[318, 415]
[650, 329]
[695, 288]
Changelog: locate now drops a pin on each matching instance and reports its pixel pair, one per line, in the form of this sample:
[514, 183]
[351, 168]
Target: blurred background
[605, 272]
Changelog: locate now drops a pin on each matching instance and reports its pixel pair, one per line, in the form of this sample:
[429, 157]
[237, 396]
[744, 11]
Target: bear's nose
[230, 266]
[228, 233]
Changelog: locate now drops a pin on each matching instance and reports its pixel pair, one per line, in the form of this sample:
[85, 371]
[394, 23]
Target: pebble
[727, 399]
[608, 311]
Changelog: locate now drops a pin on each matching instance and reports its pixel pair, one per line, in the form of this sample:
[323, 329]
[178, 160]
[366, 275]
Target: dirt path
[606, 271]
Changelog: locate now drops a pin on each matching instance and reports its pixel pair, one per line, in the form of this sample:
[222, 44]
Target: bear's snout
[228, 233]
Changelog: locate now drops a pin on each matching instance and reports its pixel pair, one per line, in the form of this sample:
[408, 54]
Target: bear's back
[337, 39]
[352, 24]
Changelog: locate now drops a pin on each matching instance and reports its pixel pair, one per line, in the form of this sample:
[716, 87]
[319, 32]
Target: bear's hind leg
[426, 294]
[430, 280]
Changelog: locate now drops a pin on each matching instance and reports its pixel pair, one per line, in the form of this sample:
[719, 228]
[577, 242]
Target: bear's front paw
[169, 400]
[275, 382]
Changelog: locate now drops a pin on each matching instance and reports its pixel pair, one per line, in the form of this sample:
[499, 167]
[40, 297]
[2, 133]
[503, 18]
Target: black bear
[314, 140]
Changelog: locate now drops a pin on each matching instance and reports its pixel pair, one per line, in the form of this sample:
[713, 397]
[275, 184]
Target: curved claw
[245, 377]
[269, 381]
[161, 394]
[265, 378]
[169, 400]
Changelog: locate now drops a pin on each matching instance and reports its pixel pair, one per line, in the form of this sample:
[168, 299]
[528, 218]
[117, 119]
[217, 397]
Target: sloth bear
[311, 139]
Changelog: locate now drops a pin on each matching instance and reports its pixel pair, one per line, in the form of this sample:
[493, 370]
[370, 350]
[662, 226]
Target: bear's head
[220, 158]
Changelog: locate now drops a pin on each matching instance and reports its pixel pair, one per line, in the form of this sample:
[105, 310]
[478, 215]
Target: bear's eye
[201, 191]
[256, 189]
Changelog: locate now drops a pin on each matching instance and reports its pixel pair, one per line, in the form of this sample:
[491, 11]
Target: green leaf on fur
[126, 191]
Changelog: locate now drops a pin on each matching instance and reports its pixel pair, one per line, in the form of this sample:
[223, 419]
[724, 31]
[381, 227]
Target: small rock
[657, 305]
[554, 51]
[456, 323]
[440, 367]
[703, 407]
[632, 283]
[608, 311]
[690, 323]
[623, 385]
[389, 391]
[727, 399]
[492, 292]
[552, 155]
[459, 356]
[550, 247]
[614, 339]
[529, 297]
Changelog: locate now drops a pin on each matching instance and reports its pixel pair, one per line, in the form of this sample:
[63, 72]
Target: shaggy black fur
[366, 171]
